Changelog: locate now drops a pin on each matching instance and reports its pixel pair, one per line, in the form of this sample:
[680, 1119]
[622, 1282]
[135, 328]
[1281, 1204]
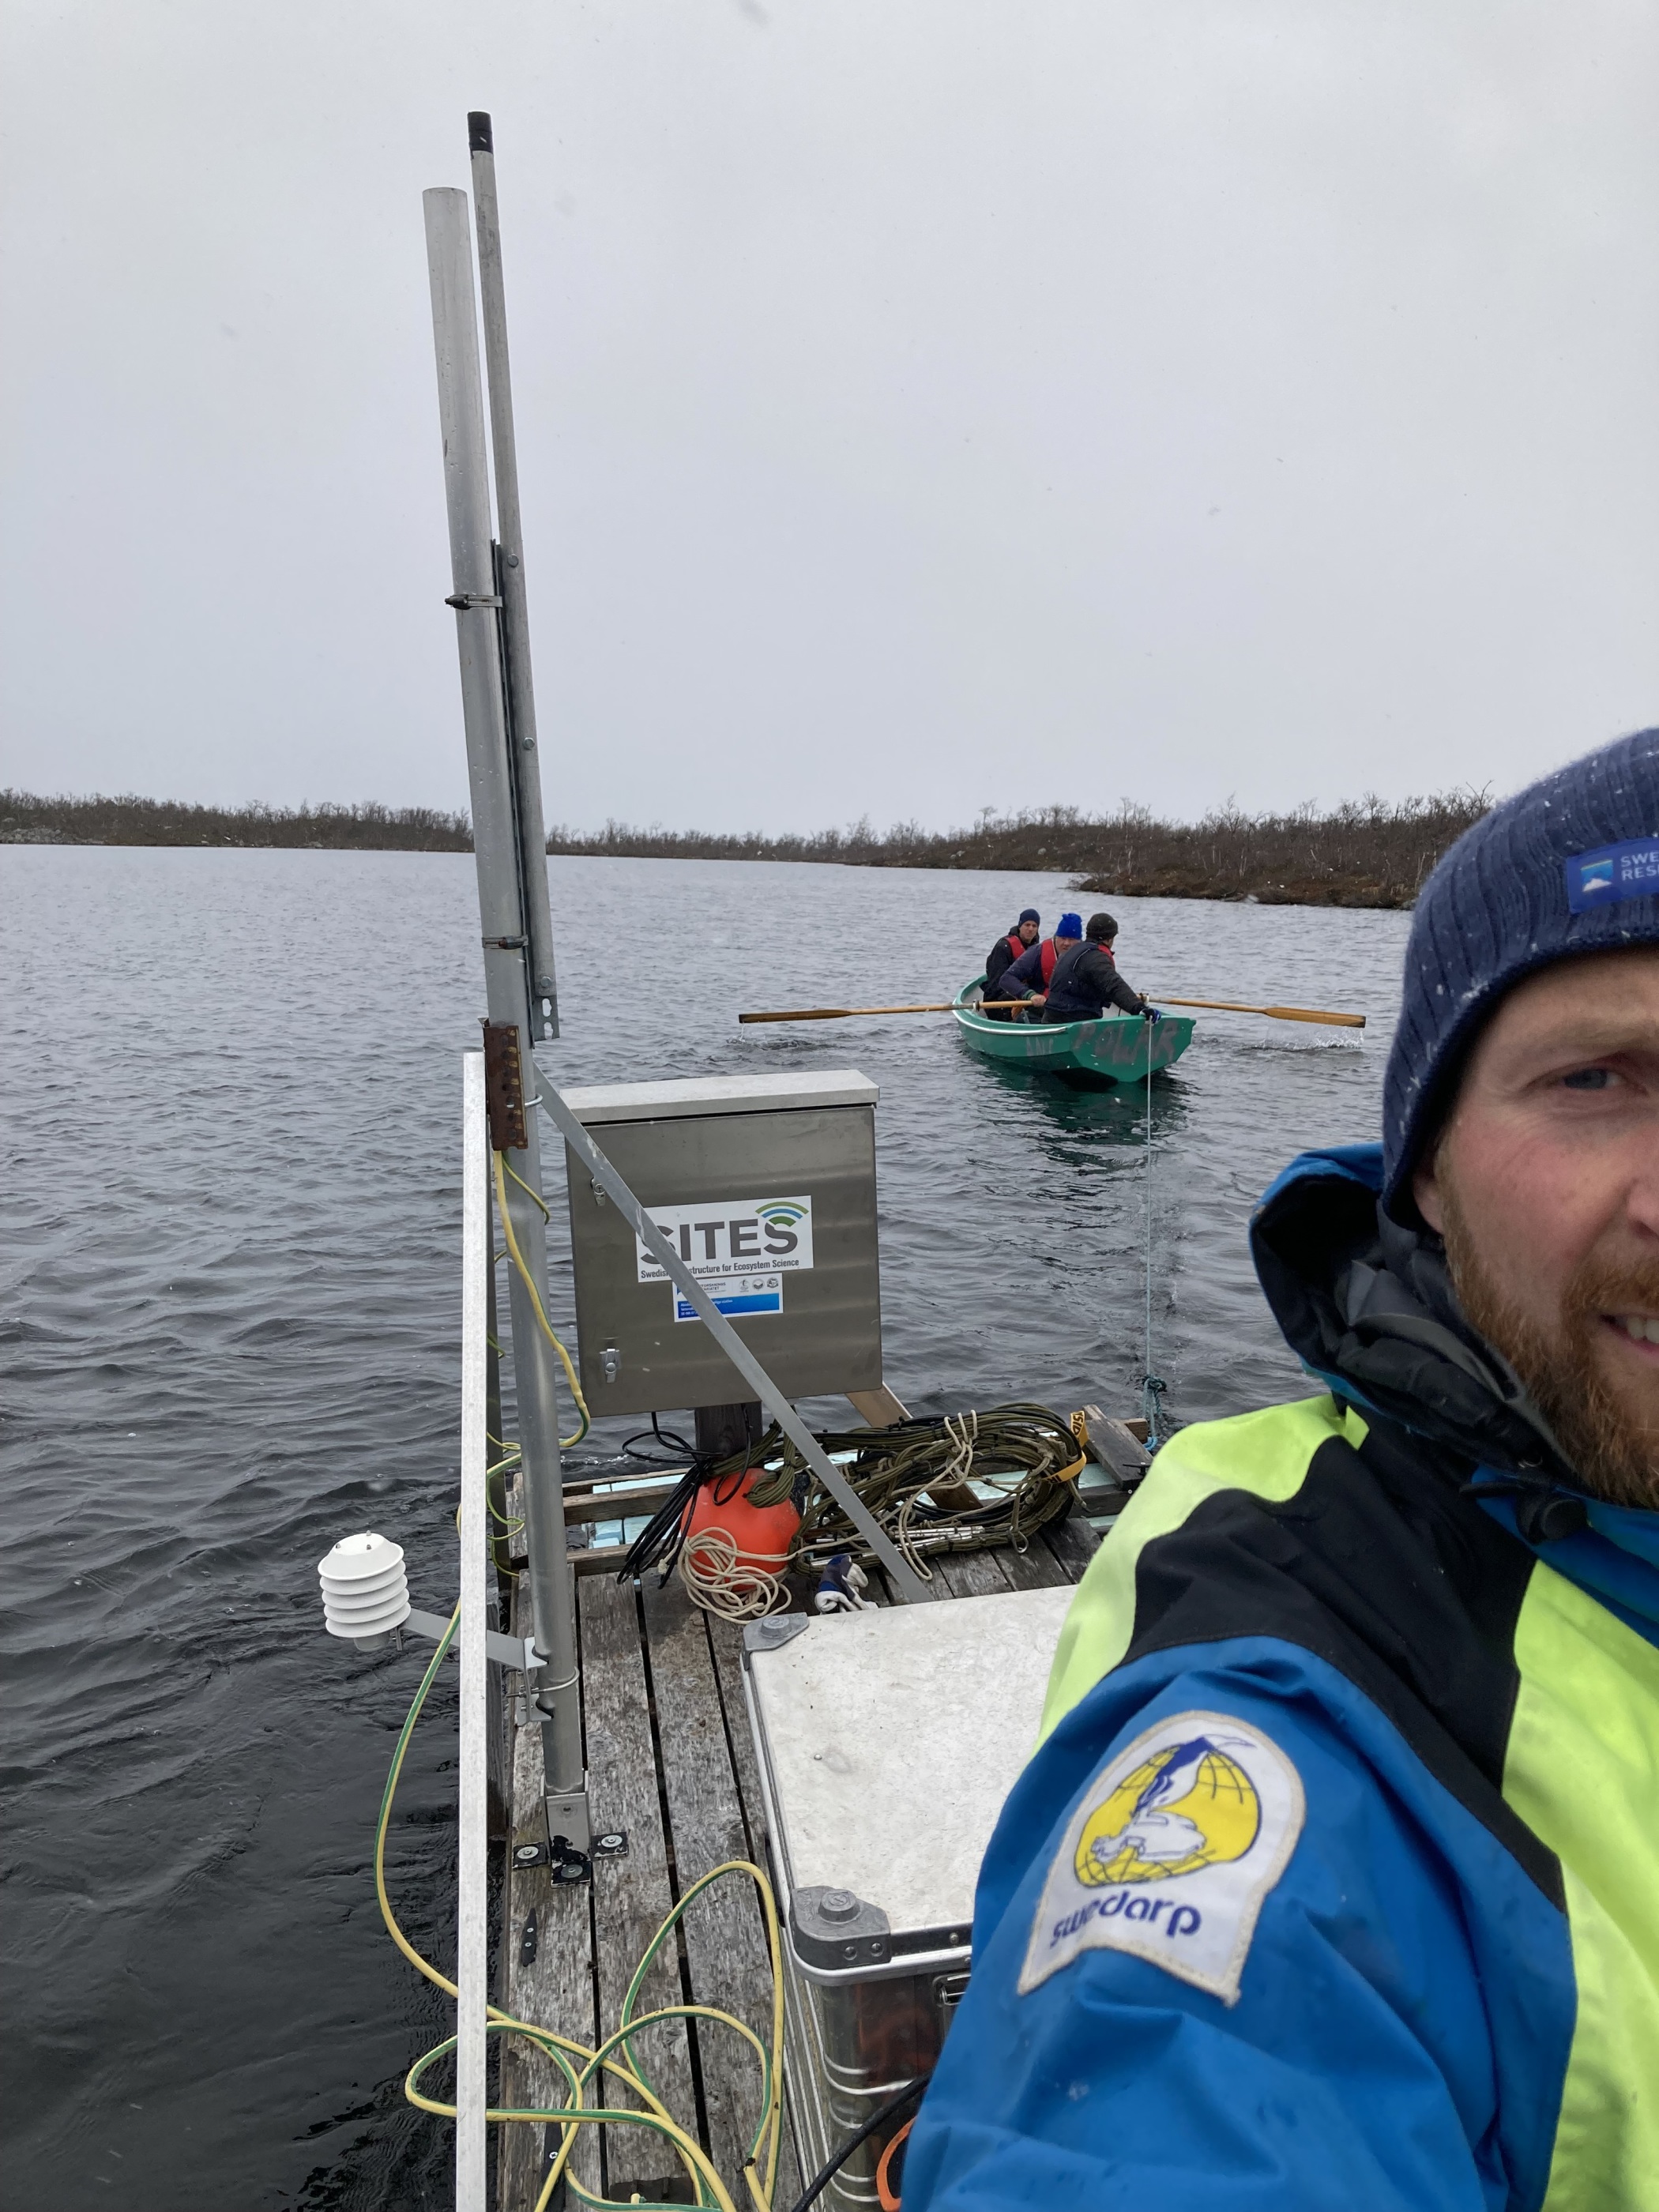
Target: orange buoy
[761, 1534]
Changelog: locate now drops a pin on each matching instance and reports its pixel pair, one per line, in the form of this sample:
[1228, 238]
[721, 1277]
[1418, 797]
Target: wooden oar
[845, 1014]
[948, 1006]
[1276, 1014]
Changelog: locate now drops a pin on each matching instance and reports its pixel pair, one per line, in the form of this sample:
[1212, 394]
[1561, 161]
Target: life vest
[1050, 954]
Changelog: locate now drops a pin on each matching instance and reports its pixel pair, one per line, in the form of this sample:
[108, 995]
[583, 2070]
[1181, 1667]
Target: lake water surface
[229, 1303]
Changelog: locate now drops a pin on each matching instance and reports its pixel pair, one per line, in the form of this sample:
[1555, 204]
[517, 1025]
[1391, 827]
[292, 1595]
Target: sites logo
[782, 1218]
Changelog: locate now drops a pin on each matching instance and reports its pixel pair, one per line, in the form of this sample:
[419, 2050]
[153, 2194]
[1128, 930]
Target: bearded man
[1390, 1652]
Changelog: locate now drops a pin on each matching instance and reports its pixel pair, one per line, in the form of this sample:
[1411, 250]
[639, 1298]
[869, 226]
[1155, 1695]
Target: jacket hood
[1367, 1304]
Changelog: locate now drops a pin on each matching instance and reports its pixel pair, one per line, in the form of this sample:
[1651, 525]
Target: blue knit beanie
[1069, 925]
[1570, 865]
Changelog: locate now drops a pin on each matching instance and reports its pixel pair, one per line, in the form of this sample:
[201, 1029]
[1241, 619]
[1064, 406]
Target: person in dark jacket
[1334, 1879]
[1085, 983]
[1029, 976]
[1007, 949]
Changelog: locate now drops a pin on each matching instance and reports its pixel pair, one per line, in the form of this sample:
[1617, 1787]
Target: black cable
[667, 1437]
[674, 1440]
[877, 2119]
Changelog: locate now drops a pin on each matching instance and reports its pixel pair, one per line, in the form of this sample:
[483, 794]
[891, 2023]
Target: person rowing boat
[1029, 977]
[1085, 983]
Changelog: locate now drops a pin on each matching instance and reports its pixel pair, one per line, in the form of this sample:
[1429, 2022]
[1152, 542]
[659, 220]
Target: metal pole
[472, 1946]
[516, 612]
[906, 1581]
[460, 407]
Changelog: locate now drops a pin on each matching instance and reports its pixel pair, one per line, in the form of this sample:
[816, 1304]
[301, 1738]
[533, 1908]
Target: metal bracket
[504, 1086]
[519, 1651]
[462, 600]
[835, 1927]
[770, 1635]
[569, 1818]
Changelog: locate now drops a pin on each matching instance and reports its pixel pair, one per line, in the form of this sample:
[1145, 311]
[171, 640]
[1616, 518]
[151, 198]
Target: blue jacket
[1334, 1881]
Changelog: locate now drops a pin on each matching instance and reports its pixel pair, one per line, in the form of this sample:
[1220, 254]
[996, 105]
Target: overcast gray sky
[923, 405]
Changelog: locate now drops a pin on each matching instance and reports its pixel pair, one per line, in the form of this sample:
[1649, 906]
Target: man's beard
[1612, 1449]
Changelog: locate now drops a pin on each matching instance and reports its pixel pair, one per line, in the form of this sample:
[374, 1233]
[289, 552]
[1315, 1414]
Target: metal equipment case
[768, 1184]
[887, 1741]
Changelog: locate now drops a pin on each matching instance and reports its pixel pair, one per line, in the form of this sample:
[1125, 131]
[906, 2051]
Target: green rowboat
[1116, 1048]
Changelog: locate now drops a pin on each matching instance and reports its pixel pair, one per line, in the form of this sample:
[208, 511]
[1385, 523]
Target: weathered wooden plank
[725, 1648]
[1072, 1542]
[632, 1895]
[1035, 1568]
[970, 1574]
[878, 1408]
[724, 1934]
[555, 1989]
[618, 1504]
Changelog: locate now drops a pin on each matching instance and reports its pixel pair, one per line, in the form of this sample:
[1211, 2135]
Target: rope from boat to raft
[1152, 1386]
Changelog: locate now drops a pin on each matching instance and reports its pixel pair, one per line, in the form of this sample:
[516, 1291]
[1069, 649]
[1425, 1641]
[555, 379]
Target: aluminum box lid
[594, 1102]
[891, 1739]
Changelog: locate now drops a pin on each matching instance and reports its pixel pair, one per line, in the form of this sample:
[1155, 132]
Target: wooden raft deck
[669, 1761]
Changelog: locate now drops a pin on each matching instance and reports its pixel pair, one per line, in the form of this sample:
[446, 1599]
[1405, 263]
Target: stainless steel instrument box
[768, 1186]
[887, 1741]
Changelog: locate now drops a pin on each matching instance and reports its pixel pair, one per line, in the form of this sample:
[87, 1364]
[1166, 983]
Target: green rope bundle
[1021, 1459]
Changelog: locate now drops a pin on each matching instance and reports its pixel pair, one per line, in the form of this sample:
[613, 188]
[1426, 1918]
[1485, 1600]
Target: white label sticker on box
[725, 1239]
[744, 1297]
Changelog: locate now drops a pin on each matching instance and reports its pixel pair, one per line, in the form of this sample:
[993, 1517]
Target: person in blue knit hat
[1335, 1880]
[1029, 976]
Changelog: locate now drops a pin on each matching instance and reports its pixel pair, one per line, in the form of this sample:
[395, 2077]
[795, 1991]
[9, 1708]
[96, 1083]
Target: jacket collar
[1368, 1306]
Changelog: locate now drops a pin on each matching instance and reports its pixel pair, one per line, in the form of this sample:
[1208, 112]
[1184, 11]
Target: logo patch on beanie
[1616, 872]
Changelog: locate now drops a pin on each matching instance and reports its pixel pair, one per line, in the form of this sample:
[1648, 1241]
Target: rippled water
[229, 1304]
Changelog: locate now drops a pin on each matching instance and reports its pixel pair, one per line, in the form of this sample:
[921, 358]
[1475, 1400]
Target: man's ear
[1426, 1189]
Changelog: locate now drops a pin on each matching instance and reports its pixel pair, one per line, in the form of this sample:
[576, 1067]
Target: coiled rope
[719, 1578]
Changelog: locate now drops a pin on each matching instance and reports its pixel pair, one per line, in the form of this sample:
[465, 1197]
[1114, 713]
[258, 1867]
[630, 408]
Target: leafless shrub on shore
[25, 820]
[1370, 852]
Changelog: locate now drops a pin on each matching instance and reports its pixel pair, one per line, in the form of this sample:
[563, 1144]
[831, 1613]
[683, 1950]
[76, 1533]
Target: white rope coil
[727, 1582]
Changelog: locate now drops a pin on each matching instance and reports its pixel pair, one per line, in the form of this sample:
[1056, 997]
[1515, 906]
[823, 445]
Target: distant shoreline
[1369, 852]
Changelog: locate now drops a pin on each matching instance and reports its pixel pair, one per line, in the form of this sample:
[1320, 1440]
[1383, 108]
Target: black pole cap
[479, 137]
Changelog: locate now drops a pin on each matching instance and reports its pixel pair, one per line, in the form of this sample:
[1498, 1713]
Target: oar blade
[1273, 1013]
